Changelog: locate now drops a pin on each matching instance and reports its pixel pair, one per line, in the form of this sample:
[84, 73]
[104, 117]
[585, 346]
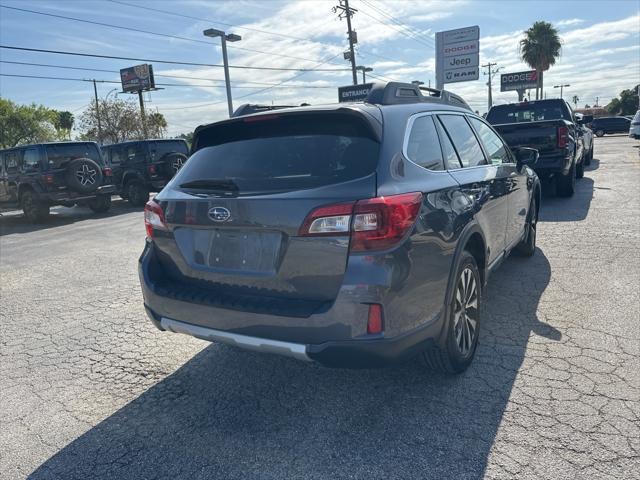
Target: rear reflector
[375, 320]
[107, 172]
[48, 178]
[151, 169]
[153, 218]
[374, 224]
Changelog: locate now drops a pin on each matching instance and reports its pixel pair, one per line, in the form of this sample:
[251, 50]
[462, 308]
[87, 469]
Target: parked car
[35, 177]
[634, 128]
[550, 127]
[144, 166]
[356, 234]
[587, 137]
[608, 125]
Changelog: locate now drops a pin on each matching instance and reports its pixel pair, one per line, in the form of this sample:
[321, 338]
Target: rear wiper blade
[216, 184]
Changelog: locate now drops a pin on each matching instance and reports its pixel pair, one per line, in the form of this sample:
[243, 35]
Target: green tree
[64, 124]
[23, 124]
[627, 104]
[540, 48]
[575, 100]
[156, 125]
[188, 137]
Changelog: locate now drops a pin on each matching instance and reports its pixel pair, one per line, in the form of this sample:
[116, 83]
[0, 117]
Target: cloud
[568, 22]
[603, 32]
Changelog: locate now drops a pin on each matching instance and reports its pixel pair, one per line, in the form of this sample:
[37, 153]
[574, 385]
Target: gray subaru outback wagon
[355, 235]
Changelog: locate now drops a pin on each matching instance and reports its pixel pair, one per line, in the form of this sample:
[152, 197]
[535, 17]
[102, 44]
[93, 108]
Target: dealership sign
[518, 80]
[457, 55]
[135, 79]
[354, 93]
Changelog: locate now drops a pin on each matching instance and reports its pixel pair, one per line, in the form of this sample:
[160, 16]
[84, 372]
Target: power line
[174, 62]
[410, 29]
[147, 32]
[277, 85]
[397, 28]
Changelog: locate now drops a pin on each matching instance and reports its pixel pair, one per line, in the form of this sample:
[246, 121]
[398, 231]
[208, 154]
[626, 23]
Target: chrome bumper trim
[295, 350]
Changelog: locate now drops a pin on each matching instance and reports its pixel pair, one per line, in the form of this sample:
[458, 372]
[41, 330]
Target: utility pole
[347, 12]
[224, 37]
[142, 115]
[490, 74]
[597, 98]
[561, 87]
[95, 93]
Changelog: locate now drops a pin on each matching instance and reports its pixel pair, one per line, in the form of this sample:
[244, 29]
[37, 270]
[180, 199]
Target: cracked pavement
[89, 388]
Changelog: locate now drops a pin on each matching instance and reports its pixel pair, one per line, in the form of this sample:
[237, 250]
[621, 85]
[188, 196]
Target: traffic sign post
[457, 55]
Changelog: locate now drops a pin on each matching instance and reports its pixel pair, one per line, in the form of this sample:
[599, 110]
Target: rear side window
[464, 140]
[161, 149]
[423, 147]
[494, 146]
[450, 156]
[60, 154]
[283, 153]
[31, 160]
[528, 112]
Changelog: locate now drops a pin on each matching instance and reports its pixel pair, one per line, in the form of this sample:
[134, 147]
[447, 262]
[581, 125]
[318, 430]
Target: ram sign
[518, 81]
[135, 79]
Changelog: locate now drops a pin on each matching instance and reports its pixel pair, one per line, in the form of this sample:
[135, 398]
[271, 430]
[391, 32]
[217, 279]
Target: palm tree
[540, 49]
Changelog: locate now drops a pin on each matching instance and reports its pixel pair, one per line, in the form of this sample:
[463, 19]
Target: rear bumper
[335, 336]
[71, 196]
[548, 165]
[359, 353]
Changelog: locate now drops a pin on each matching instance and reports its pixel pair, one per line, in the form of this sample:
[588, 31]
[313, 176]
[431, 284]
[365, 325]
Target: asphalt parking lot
[90, 390]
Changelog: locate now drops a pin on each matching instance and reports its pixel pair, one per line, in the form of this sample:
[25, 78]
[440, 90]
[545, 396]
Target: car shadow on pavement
[571, 209]
[15, 222]
[233, 414]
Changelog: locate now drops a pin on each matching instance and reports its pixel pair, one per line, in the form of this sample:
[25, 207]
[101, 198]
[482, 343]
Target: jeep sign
[518, 81]
[457, 55]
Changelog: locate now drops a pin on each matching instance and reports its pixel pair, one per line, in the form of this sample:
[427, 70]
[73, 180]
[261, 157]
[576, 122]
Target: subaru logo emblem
[219, 214]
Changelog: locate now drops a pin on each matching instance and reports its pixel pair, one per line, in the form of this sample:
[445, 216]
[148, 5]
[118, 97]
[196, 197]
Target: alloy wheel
[465, 311]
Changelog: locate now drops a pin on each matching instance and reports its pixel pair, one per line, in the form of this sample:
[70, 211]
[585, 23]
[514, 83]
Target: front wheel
[599, 133]
[580, 168]
[100, 204]
[35, 210]
[527, 247]
[463, 322]
[589, 157]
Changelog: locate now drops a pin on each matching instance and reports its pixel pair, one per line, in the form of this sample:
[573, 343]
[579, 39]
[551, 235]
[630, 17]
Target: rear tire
[100, 204]
[137, 194]
[527, 247]
[566, 184]
[462, 322]
[35, 210]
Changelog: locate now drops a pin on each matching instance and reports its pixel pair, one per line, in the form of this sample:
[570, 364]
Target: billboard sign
[518, 80]
[354, 93]
[457, 55]
[137, 78]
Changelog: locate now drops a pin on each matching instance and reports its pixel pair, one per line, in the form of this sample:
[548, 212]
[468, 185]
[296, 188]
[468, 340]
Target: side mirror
[526, 156]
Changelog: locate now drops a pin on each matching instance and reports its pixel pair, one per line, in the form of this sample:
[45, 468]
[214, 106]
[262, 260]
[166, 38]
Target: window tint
[495, 147]
[283, 153]
[165, 147]
[528, 112]
[423, 147]
[31, 159]
[60, 154]
[135, 152]
[464, 140]
[450, 156]
[11, 161]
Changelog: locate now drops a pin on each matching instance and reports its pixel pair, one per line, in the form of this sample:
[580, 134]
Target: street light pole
[364, 69]
[561, 87]
[95, 93]
[212, 32]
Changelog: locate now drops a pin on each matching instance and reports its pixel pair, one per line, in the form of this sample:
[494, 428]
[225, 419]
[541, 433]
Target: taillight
[374, 224]
[153, 218]
[563, 137]
[151, 169]
[107, 172]
[48, 178]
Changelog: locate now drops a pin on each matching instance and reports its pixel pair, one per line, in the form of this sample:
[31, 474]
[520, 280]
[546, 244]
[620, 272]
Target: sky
[600, 51]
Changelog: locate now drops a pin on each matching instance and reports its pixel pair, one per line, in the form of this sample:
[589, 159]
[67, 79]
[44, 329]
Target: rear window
[527, 112]
[165, 147]
[59, 155]
[282, 153]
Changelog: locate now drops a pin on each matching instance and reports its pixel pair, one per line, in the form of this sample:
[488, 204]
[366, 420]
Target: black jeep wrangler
[144, 166]
[35, 177]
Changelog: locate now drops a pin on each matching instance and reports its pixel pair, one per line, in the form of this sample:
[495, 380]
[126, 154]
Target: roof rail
[396, 93]
[249, 108]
